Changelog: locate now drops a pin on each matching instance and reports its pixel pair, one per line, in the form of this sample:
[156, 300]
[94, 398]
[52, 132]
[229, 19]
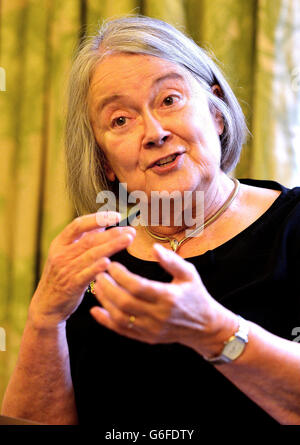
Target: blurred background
[257, 45]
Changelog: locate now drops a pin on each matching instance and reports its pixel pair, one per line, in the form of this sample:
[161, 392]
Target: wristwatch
[234, 346]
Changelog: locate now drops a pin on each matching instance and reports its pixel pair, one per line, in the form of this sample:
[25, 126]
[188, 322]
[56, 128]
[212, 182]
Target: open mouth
[167, 160]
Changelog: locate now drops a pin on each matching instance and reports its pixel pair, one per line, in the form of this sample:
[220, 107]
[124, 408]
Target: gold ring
[131, 321]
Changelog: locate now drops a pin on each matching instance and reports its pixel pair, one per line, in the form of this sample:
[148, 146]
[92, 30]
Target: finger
[103, 317]
[81, 269]
[120, 318]
[108, 218]
[85, 223]
[85, 255]
[109, 293]
[95, 239]
[140, 287]
[88, 274]
[173, 263]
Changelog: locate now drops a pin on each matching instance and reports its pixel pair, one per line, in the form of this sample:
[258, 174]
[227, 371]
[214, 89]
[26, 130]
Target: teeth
[166, 160]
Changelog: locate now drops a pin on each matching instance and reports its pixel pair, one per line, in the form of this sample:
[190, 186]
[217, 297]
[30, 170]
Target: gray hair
[139, 35]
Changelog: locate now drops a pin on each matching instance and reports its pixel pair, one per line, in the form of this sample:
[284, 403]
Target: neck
[192, 212]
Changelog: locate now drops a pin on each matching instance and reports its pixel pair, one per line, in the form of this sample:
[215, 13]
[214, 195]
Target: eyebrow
[109, 99]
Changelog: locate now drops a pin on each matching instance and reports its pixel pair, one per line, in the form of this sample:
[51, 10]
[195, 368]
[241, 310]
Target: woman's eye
[119, 121]
[168, 100]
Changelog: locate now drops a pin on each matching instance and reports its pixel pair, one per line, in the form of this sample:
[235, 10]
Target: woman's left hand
[181, 311]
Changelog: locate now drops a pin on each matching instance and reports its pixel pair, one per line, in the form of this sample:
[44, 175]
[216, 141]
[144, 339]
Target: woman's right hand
[75, 257]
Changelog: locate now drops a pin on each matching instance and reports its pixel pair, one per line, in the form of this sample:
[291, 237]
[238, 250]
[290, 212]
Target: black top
[119, 381]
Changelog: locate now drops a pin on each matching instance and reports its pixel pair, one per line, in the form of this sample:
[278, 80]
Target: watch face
[234, 348]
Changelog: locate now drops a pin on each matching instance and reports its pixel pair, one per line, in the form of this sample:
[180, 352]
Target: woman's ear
[217, 115]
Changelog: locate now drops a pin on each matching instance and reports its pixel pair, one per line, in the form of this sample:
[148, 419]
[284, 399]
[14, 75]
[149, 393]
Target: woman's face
[151, 118]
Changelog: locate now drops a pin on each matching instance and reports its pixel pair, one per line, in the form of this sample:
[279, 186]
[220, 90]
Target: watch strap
[241, 335]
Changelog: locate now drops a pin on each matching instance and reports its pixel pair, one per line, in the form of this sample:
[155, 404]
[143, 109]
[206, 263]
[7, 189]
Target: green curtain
[256, 43]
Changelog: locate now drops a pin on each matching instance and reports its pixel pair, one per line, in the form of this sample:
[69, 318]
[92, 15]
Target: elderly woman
[180, 327]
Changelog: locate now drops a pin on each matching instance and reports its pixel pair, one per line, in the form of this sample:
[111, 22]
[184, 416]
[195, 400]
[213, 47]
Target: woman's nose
[155, 135]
